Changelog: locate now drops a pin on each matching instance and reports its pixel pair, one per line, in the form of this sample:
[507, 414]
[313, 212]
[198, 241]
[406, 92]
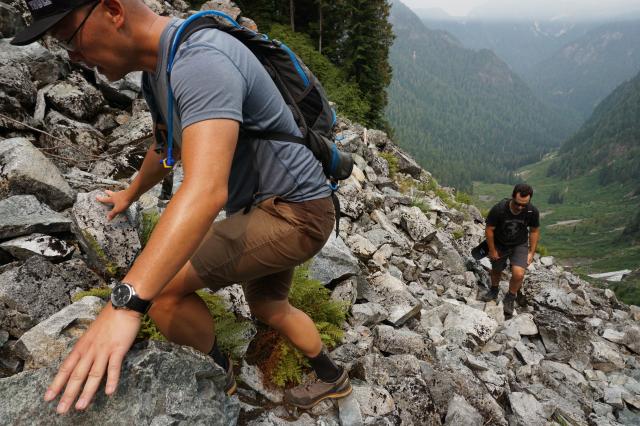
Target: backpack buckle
[167, 164]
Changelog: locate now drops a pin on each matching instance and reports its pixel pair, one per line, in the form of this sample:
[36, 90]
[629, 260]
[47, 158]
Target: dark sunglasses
[68, 44]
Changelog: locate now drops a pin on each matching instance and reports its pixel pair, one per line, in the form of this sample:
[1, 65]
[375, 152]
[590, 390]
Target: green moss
[149, 222]
[102, 292]
[457, 234]
[110, 268]
[392, 161]
[286, 364]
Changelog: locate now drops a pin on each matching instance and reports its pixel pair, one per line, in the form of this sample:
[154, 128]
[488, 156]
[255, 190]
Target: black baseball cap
[45, 14]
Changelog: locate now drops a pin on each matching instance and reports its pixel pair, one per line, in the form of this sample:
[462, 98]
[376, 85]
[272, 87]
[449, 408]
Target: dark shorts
[517, 256]
[260, 249]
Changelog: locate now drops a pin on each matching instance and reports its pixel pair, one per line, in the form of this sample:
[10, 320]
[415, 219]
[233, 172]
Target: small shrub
[392, 161]
[405, 184]
[542, 250]
[285, 364]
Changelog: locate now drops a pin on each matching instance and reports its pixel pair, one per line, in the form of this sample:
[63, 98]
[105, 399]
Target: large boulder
[161, 384]
[24, 215]
[34, 291]
[25, 170]
[111, 245]
[38, 244]
[392, 295]
[75, 97]
[334, 262]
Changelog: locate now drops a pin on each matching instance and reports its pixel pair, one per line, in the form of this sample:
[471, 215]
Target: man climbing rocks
[278, 203]
[513, 229]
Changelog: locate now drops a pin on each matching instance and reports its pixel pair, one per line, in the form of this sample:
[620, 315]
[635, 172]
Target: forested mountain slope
[463, 113]
[609, 142]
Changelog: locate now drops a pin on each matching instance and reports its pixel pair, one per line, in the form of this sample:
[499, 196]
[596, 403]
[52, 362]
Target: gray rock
[46, 343]
[138, 130]
[521, 325]
[528, 354]
[25, 170]
[613, 397]
[334, 262]
[43, 66]
[75, 143]
[234, 300]
[16, 83]
[614, 336]
[349, 409]
[10, 21]
[564, 373]
[23, 215]
[111, 246]
[75, 97]
[460, 412]
[526, 409]
[38, 289]
[393, 295]
[361, 247]
[346, 291]
[606, 358]
[253, 377]
[351, 198]
[400, 341]
[416, 224]
[547, 261]
[225, 6]
[564, 300]
[471, 321]
[160, 383]
[374, 401]
[368, 314]
[86, 182]
[38, 244]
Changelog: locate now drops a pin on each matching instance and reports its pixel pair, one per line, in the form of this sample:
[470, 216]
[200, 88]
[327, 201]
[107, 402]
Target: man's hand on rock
[102, 348]
[120, 200]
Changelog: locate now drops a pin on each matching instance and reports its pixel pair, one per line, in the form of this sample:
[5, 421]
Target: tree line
[354, 35]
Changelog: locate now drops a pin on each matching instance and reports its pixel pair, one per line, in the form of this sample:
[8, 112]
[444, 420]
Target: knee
[164, 302]
[517, 274]
[273, 314]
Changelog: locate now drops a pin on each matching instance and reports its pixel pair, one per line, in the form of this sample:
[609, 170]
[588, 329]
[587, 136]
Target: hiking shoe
[521, 300]
[230, 385]
[491, 294]
[507, 304]
[307, 395]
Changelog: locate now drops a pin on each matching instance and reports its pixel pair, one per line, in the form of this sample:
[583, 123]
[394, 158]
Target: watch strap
[138, 305]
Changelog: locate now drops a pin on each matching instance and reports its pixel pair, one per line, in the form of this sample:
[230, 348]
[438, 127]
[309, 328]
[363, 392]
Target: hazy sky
[528, 8]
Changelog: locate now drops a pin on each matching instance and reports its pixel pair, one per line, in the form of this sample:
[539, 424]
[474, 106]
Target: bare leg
[292, 323]
[181, 315]
[517, 277]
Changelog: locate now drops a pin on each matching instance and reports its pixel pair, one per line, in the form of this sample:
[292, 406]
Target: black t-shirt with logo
[512, 229]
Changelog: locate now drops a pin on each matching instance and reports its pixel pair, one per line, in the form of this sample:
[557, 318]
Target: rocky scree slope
[420, 347]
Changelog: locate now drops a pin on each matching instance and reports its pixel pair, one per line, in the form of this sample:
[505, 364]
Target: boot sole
[331, 395]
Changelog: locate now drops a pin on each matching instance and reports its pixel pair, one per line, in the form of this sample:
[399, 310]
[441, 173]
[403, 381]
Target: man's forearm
[151, 173]
[175, 238]
[533, 240]
[490, 240]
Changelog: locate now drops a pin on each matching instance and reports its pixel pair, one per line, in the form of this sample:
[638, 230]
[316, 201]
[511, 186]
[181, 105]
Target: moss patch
[110, 268]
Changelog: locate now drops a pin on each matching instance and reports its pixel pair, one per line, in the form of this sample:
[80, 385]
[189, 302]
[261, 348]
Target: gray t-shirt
[216, 76]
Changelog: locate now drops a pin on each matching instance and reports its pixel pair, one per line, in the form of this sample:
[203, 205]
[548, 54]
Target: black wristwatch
[123, 296]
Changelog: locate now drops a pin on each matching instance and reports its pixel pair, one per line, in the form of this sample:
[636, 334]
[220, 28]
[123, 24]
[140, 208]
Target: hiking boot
[307, 395]
[230, 385]
[521, 300]
[491, 294]
[507, 304]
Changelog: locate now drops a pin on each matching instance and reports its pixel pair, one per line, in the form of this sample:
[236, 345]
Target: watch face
[121, 295]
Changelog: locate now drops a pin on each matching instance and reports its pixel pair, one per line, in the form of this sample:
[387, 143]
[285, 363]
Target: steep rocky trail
[422, 349]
